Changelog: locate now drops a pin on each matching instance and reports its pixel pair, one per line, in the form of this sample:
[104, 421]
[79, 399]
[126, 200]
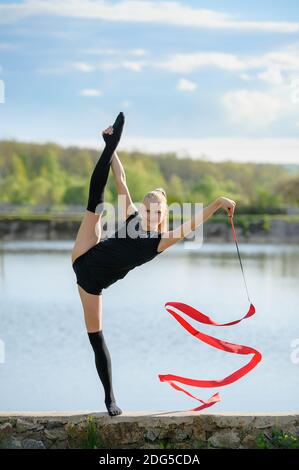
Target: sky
[211, 79]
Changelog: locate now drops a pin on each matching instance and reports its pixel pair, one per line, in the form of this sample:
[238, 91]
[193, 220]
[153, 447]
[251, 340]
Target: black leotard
[113, 257]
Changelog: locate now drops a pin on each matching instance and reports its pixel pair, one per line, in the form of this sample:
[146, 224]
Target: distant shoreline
[249, 229]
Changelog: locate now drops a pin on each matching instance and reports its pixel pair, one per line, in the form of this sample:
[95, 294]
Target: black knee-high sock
[104, 368]
[100, 173]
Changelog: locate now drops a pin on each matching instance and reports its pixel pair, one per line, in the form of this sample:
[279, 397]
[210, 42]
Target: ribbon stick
[215, 343]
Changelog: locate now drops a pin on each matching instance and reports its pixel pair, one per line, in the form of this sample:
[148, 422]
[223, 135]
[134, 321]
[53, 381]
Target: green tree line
[49, 174]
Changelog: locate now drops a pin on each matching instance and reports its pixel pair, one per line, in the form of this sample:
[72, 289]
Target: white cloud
[135, 66]
[146, 11]
[271, 75]
[90, 92]
[273, 63]
[132, 65]
[186, 85]
[253, 107]
[126, 64]
[284, 59]
[83, 67]
[272, 67]
[111, 51]
[190, 62]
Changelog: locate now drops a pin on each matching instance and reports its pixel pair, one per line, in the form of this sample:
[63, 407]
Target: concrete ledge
[147, 430]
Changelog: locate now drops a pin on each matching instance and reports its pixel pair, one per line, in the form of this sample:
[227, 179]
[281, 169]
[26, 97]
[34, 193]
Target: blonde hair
[160, 194]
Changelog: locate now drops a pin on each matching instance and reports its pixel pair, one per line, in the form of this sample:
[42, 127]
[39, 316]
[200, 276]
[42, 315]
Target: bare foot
[112, 408]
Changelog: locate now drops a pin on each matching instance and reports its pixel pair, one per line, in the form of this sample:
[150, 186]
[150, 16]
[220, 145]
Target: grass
[84, 436]
[277, 440]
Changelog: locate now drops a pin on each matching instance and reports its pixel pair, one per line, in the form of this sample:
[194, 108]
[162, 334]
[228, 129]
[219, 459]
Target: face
[151, 211]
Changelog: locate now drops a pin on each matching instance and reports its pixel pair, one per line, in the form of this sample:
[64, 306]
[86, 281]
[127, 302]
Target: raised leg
[89, 232]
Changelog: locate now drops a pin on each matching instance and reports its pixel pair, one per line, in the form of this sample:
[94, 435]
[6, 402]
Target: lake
[47, 363]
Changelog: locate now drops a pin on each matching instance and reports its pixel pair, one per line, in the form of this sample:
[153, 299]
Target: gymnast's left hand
[227, 204]
[109, 130]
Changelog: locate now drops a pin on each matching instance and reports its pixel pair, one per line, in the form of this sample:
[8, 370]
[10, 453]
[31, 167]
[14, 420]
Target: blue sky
[211, 78]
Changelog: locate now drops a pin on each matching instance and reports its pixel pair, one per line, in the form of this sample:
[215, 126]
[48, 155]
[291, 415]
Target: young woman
[100, 263]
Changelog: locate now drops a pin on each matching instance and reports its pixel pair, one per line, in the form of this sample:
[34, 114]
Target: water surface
[49, 363]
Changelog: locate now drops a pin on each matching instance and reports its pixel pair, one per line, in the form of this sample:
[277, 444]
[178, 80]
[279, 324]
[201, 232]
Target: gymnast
[99, 263]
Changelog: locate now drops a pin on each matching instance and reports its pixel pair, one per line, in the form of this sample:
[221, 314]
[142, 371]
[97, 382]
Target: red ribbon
[215, 343]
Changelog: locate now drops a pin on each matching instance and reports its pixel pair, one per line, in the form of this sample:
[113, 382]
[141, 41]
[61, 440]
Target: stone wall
[146, 430]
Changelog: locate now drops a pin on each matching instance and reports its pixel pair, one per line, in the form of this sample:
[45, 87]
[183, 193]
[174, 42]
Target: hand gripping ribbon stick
[214, 342]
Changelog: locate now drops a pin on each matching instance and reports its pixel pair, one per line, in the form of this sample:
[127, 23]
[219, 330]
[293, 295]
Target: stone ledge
[142, 429]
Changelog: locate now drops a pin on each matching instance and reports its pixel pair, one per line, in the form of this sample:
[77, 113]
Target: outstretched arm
[121, 184]
[173, 236]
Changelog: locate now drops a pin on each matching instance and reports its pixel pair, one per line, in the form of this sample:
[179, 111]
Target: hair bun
[161, 189]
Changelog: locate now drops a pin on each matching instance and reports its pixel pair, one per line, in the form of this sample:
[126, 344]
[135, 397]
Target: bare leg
[92, 307]
[88, 235]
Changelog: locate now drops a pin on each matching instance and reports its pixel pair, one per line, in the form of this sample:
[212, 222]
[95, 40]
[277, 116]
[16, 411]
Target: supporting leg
[104, 368]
